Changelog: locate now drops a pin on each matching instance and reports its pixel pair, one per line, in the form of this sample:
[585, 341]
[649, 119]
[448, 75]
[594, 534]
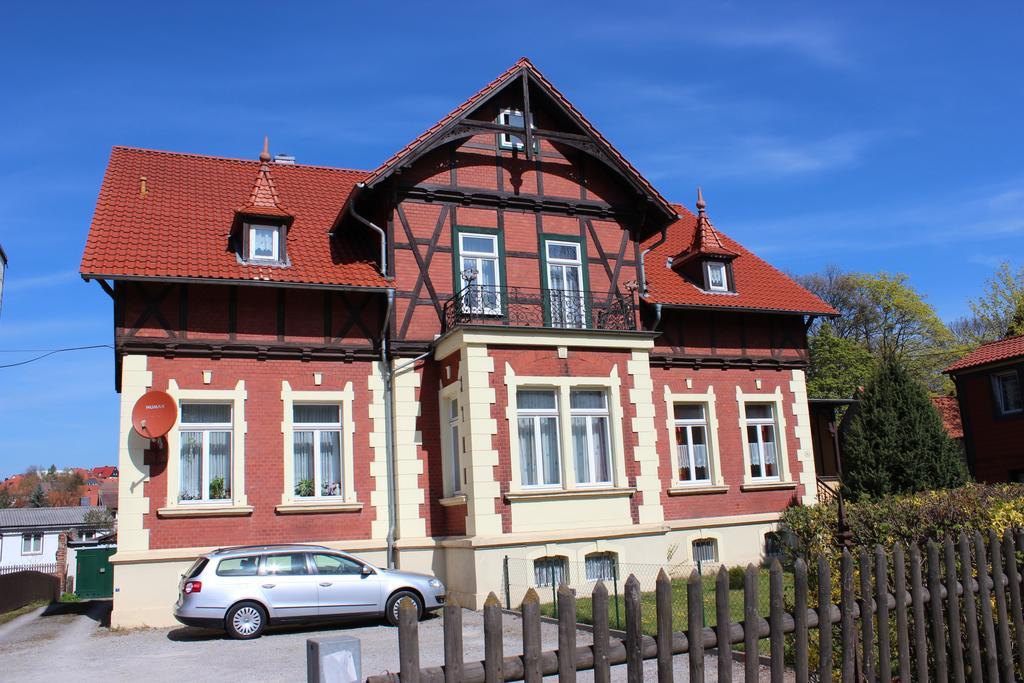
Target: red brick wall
[995, 442]
[264, 455]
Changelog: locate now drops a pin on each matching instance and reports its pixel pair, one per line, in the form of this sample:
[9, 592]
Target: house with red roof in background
[502, 357]
[988, 385]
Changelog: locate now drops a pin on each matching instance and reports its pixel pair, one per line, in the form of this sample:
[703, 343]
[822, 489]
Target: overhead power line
[54, 351]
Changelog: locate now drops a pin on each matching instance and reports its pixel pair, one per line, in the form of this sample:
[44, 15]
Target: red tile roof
[706, 240]
[179, 227]
[758, 285]
[949, 409]
[993, 352]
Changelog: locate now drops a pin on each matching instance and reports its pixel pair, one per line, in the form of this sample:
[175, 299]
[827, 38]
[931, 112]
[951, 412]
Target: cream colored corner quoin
[136, 379]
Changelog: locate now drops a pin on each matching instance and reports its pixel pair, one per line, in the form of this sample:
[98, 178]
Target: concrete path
[62, 641]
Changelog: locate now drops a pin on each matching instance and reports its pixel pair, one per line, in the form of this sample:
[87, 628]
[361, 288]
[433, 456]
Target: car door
[343, 587]
[288, 585]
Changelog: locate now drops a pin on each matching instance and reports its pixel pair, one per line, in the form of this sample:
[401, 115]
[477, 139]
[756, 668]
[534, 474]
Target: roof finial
[265, 154]
[700, 201]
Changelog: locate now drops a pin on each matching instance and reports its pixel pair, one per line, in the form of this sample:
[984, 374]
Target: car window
[197, 568]
[289, 564]
[238, 566]
[335, 564]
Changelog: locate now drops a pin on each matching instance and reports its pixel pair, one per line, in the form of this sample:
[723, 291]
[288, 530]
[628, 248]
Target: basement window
[705, 550]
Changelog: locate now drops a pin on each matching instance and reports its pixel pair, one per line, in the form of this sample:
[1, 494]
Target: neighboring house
[501, 343]
[38, 536]
[949, 411]
[988, 386]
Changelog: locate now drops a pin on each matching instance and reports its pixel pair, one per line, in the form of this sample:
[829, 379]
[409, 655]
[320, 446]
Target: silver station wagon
[244, 590]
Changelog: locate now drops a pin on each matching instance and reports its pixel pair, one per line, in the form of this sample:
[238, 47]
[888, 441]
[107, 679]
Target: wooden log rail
[984, 591]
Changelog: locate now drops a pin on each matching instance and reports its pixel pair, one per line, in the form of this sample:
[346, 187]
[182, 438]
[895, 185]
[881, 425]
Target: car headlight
[434, 583]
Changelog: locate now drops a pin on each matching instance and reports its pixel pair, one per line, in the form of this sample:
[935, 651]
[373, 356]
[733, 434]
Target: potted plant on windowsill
[305, 488]
[217, 490]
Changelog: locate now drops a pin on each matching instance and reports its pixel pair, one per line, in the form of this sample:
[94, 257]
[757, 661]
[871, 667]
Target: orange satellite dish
[154, 414]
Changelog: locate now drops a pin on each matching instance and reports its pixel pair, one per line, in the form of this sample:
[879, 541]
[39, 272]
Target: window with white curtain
[590, 445]
[455, 474]
[692, 442]
[705, 550]
[205, 472]
[317, 449]
[550, 571]
[478, 254]
[761, 440]
[537, 412]
[600, 566]
[264, 243]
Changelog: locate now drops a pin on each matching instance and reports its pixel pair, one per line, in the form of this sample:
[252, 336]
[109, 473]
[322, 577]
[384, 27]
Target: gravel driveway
[66, 641]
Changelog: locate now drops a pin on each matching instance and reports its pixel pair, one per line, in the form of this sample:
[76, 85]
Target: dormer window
[716, 276]
[264, 243]
[515, 119]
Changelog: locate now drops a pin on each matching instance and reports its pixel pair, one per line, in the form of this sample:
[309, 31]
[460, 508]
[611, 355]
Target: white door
[566, 304]
[478, 254]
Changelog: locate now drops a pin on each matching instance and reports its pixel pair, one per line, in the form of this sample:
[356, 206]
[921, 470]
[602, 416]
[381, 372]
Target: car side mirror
[366, 571]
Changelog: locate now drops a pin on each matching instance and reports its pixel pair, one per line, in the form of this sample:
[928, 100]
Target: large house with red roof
[503, 351]
[988, 385]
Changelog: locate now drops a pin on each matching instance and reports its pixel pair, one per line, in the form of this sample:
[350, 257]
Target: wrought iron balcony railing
[530, 307]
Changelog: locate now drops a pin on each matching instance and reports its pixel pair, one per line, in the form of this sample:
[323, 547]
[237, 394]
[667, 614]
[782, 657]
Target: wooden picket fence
[960, 619]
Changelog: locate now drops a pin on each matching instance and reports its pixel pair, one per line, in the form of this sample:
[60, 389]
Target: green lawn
[7, 616]
[648, 610]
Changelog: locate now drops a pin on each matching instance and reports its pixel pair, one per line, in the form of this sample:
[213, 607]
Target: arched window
[705, 550]
[601, 566]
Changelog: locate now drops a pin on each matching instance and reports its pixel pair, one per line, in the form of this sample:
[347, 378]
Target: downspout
[374, 227]
[643, 255]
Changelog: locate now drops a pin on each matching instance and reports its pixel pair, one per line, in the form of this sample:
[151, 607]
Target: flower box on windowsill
[567, 494]
[298, 507]
[768, 486]
[697, 490]
[205, 510]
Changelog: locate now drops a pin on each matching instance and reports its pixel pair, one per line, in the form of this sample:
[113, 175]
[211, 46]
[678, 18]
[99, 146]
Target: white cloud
[21, 284]
[815, 41]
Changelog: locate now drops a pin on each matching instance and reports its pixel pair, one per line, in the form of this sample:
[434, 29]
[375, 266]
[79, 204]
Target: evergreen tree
[895, 441]
[38, 498]
[6, 499]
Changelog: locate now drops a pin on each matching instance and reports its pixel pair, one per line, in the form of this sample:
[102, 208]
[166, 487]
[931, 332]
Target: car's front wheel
[246, 620]
[395, 601]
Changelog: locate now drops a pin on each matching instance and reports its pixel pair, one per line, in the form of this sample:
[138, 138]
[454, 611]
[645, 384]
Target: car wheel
[246, 620]
[395, 600]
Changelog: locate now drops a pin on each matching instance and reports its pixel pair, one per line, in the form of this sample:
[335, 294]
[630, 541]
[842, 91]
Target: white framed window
[600, 566]
[718, 276]
[550, 571]
[454, 448]
[566, 298]
[316, 456]
[762, 440]
[31, 544]
[479, 253]
[514, 118]
[205, 466]
[588, 409]
[691, 429]
[705, 550]
[264, 242]
[1007, 389]
[539, 452]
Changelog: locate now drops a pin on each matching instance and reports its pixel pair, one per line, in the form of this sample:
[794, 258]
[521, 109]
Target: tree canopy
[997, 313]
[838, 366]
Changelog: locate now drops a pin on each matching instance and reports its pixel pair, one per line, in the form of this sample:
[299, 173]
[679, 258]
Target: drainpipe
[643, 254]
[657, 317]
[376, 228]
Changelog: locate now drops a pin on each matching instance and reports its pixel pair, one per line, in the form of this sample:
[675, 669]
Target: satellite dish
[154, 414]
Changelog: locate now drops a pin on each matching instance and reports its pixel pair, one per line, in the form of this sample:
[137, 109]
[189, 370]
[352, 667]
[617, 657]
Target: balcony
[531, 307]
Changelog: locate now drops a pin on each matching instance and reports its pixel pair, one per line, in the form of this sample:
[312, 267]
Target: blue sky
[870, 135]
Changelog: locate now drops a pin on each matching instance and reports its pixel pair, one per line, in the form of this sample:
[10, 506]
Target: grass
[648, 610]
[13, 614]
[69, 597]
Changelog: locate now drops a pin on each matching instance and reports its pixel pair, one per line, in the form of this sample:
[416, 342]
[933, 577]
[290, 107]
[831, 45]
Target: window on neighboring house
[317, 449]
[705, 550]
[692, 442]
[589, 411]
[31, 544]
[761, 441]
[455, 476]
[478, 255]
[205, 430]
[537, 412]
[600, 566]
[1007, 389]
[550, 571]
[514, 118]
[264, 243]
[717, 275]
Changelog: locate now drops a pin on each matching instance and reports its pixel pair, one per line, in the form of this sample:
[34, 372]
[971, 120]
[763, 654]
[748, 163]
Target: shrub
[736, 575]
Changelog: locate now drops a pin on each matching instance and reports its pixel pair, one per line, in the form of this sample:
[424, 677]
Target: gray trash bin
[333, 659]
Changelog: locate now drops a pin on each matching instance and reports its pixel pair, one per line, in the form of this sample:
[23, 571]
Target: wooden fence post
[723, 626]
[956, 647]
[530, 611]
[663, 607]
[776, 608]
[566, 635]
[985, 605]
[882, 611]
[408, 641]
[634, 644]
[847, 627]
[867, 629]
[899, 573]
[917, 600]
[599, 600]
[751, 625]
[494, 649]
[695, 626]
[452, 641]
[824, 619]
[800, 619]
[1002, 614]
[970, 610]
[1010, 557]
[935, 613]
